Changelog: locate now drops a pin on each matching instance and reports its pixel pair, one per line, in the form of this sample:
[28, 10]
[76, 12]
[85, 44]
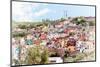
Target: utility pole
[65, 14]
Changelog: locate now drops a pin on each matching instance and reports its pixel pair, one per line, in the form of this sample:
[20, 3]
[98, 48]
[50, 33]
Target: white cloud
[22, 11]
[25, 11]
[42, 12]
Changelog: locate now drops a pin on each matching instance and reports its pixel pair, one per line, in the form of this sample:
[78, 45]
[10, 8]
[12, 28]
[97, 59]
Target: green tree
[79, 21]
[62, 19]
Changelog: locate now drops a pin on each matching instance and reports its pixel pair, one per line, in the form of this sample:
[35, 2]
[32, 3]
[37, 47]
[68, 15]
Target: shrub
[91, 23]
[19, 34]
[44, 57]
[22, 26]
[37, 55]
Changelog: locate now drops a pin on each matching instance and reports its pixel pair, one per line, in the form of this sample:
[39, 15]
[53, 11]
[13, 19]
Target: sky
[29, 11]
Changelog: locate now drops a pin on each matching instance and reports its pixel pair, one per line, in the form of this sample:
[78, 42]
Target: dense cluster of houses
[65, 37]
